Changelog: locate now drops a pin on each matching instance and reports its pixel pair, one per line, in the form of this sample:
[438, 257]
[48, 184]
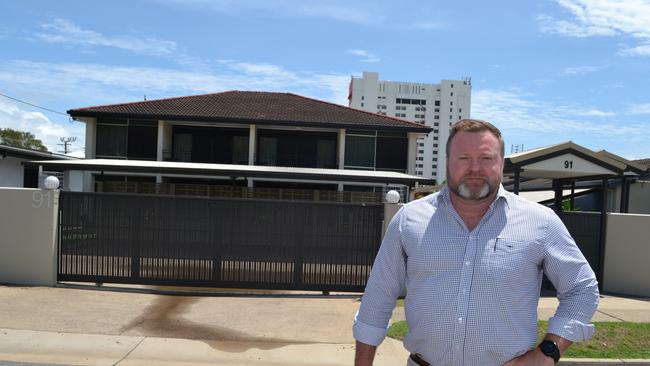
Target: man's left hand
[534, 357]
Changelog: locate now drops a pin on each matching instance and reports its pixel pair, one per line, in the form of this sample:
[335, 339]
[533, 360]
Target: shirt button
[467, 263]
[460, 320]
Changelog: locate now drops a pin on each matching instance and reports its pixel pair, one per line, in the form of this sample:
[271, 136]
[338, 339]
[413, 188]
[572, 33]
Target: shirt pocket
[507, 258]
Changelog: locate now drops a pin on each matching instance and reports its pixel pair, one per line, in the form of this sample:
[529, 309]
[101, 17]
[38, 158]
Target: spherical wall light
[51, 182]
[392, 196]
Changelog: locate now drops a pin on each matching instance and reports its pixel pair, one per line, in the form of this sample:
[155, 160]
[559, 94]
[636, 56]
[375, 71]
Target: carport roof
[568, 160]
[232, 170]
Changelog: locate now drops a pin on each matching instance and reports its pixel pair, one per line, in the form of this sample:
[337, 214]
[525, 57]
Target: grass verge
[611, 340]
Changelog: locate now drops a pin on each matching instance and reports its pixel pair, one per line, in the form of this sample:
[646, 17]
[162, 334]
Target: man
[471, 259]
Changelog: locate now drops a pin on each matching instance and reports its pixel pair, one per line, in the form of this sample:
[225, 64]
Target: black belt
[417, 359]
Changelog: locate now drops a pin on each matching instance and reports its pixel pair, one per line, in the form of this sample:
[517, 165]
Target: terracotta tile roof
[257, 107]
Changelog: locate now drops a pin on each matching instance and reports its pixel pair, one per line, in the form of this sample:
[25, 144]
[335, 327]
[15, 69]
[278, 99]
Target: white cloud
[639, 109]
[643, 50]
[365, 55]
[65, 32]
[49, 132]
[581, 70]
[108, 84]
[357, 13]
[604, 18]
[430, 25]
[515, 111]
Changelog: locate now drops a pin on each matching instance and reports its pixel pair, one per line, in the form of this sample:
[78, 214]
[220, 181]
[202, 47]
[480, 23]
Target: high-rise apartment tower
[433, 105]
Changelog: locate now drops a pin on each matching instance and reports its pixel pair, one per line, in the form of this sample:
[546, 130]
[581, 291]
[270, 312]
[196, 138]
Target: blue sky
[544, 72]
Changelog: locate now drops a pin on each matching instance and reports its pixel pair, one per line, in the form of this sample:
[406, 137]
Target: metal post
[516, 187]
[557, 185]
[573, 192]
[624, 188]
[603, 233]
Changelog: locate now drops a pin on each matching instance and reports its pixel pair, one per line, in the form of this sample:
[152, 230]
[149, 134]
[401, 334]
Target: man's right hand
[364, 354]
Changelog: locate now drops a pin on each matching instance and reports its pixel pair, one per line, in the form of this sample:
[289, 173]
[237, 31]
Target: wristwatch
[549, 348]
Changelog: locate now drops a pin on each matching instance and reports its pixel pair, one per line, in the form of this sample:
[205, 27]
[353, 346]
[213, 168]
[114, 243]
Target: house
[246, 139]
[13, 172]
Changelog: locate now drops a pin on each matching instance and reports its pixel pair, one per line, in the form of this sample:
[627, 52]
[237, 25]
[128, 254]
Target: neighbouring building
[436, 106]
[245, 139]
[14, 173]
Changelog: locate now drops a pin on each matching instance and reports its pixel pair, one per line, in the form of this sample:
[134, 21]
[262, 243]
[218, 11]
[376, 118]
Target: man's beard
[465, 192]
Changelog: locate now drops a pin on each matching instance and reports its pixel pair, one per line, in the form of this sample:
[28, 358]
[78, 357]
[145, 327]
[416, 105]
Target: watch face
[549, 348]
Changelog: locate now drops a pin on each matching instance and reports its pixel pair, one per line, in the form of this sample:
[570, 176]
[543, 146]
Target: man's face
[474, 165]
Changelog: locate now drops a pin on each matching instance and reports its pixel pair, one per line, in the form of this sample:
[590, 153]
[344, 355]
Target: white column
[252, 148]
[91, 127]
[341, 155]
[412, 152]
[160, 145]
[341, 148]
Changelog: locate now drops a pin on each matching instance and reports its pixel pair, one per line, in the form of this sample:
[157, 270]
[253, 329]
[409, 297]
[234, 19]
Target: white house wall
[11, 172]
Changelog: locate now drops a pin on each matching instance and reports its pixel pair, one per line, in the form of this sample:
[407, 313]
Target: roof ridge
[355, 109]
[153, 100]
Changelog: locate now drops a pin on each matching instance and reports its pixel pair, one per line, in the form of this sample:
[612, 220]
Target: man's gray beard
[465, 192]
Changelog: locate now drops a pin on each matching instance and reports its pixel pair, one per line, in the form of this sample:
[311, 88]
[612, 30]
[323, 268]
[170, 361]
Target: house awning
[232, 171]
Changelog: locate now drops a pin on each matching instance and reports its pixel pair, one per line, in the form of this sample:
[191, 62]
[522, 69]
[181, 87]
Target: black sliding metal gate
[217, 242]
[586, 230]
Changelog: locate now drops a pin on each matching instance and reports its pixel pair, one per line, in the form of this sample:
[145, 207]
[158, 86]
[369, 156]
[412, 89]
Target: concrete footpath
[137, 326]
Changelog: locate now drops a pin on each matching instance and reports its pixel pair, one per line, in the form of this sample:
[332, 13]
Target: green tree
[22, 139]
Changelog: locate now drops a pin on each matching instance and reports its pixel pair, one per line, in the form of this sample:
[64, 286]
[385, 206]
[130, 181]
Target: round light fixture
[392, 196]
[51, 182]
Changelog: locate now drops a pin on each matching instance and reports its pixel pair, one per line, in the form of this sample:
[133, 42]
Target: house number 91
[568, 164]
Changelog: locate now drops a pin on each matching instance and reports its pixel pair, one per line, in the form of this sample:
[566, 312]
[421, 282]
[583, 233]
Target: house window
[360, 149]
[111, 140]
[326, 154]
[240, 150]
[127, 138]
[437, 103]
[268, 151]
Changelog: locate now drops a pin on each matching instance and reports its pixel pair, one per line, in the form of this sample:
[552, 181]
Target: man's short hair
[475, 125]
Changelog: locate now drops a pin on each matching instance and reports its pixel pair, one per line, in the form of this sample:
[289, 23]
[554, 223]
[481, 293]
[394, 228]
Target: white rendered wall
[11, 172]
[28, 240]
[626, 255]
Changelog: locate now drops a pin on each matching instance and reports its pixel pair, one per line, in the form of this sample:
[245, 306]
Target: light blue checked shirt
[472, 295]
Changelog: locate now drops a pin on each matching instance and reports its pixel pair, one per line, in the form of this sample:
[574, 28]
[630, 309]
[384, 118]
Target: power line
[34, 105]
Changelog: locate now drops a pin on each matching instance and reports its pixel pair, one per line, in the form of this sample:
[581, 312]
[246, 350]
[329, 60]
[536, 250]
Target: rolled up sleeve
[385, 284]
[575, 282]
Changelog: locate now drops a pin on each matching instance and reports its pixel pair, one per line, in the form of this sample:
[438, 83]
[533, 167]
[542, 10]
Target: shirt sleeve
[575, 282]
[385, 284]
